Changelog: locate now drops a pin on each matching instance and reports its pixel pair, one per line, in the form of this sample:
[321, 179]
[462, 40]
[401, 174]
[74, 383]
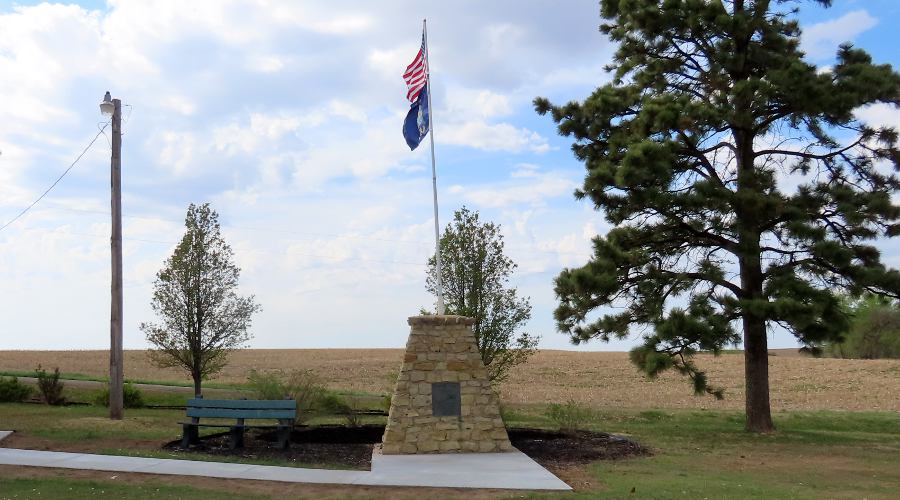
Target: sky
[286, 117]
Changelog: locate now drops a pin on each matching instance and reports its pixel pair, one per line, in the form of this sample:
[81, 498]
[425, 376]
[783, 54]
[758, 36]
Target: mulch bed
[558, 449]
[351, 447]
[326, 446]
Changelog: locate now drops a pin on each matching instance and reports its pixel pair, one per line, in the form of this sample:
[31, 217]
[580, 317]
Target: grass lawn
[62, 487]
[698, 454]
[701, 454]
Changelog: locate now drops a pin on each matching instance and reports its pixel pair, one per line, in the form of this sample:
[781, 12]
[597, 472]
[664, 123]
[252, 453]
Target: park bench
[282, 410]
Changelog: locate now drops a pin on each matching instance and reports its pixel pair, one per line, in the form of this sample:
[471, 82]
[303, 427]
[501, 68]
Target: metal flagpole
[437, 230]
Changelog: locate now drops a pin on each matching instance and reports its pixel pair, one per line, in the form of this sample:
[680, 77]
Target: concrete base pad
[511, 470]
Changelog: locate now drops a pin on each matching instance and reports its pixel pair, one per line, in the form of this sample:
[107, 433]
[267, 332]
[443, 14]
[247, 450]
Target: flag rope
[437, 230]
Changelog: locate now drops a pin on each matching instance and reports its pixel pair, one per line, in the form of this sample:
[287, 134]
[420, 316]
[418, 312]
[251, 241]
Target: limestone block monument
[443, 401]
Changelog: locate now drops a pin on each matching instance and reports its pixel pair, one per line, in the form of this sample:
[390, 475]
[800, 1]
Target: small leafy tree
[201, 318]
[475, 274]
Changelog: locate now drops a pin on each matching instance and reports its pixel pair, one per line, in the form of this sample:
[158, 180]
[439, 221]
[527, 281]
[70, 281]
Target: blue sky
[286, 117]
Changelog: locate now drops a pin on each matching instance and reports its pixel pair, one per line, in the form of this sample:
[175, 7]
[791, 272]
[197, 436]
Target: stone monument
[443, 401]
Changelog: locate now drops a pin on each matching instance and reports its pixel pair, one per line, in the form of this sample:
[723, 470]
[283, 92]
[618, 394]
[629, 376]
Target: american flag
[416, 74]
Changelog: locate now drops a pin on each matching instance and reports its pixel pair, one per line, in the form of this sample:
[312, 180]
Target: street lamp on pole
[113, 107]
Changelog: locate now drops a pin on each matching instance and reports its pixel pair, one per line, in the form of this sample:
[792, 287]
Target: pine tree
[743, 193]
[202, 319]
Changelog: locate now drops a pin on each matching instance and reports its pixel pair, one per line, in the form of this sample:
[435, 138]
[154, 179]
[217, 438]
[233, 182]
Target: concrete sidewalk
[513, 470]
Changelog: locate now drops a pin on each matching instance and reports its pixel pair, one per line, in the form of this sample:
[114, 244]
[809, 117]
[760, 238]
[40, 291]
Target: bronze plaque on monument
[445, 400]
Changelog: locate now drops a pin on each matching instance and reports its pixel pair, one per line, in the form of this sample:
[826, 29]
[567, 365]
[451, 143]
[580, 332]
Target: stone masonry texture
[443, 349]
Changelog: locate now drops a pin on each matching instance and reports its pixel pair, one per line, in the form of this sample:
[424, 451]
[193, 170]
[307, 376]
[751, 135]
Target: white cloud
[12, 162]
[286, 116]
[179, 104]
[534, 190]
[176, 152]
[820, 41]
[471, 103]
[879, 115]
[266, 63]
[492, 137]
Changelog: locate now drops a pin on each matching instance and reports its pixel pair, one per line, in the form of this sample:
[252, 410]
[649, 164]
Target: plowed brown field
[595, 378]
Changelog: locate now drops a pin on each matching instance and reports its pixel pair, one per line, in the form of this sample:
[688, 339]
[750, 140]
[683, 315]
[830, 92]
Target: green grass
[89, 423]
[697, 454]
[75, 489]
[700, 454]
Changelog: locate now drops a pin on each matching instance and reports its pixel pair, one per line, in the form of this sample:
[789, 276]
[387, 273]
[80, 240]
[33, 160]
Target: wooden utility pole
[116, 385]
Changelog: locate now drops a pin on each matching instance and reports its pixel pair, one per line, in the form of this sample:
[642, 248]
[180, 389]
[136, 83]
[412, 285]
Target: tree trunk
[197, 393]
[756, 375]
[756, 350]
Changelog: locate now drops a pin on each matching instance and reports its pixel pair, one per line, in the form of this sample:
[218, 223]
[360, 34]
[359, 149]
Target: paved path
[513, 470]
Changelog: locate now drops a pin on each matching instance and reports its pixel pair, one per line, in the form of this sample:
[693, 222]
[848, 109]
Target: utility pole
[116, 371]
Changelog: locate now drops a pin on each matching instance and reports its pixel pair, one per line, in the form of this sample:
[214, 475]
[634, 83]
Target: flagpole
[437, 230]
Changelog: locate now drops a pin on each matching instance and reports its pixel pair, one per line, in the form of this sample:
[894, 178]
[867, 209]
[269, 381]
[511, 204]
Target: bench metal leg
[190, 434]
[284, 436]
[237, 438]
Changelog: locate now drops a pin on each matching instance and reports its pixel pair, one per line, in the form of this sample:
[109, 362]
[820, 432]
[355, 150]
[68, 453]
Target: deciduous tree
[201, 317]
[475, 276]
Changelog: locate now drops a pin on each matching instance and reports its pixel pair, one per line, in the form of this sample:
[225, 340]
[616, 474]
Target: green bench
[282, 410]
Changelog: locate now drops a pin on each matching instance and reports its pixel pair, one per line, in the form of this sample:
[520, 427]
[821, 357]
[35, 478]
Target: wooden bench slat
[245, 426]
[244, 404]
[237, 413]
[285, 411]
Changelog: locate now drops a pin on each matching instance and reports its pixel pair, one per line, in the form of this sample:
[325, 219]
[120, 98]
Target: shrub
[347, 406]
[874, 331]
[303, 386]
[569, 417]
[50, 386]
[351, 410]
[13, 391]
[331, 402]
[131, 397]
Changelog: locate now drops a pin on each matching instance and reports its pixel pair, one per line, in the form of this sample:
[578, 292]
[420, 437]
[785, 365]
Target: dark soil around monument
[333, 447]
[558, 449]
[351, 447]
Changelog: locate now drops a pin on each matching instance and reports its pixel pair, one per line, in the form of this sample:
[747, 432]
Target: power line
[57, 179]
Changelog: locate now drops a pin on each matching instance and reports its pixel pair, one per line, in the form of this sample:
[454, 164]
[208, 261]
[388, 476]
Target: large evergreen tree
[743, 192]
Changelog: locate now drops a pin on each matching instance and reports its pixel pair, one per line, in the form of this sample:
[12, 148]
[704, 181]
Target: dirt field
[595, 378]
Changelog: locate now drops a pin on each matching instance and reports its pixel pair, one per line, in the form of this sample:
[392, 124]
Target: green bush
[569, 417]
[350, 410]
[50, 386]
[331, 402]
[347, 406]
[13, 391]
[874, 331]
[303, 386]
[131, 397]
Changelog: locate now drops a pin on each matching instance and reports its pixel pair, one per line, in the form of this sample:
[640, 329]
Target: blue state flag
[415, 127]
